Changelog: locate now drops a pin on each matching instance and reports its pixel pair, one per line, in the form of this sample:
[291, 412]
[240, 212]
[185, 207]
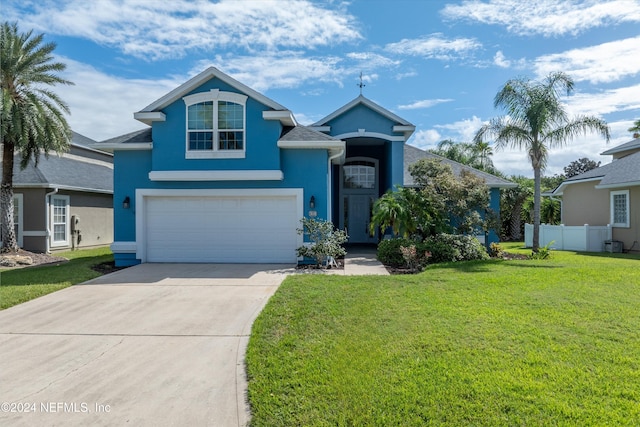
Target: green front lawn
[554, 342]
[23, 284]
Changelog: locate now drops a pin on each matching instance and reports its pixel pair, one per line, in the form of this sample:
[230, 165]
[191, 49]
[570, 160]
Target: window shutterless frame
[620, 208]
[215, 125]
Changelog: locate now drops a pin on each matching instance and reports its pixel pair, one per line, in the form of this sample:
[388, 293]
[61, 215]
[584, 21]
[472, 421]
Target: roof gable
[634, 144]
[361, 100]
[200, 79]
[624, 172]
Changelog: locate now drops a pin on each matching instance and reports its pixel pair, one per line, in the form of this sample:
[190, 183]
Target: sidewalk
[361, 261]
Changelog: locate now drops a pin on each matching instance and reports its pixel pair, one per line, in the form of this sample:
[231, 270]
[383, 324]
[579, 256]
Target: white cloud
[425, 103]
[462, 130]
[500, 60]
[425, 139]
[434, 46]
[545, 17]
[285, 70]
[102, 105]
[605, 102]
[153, 30]
[604, 63]
[371, 61]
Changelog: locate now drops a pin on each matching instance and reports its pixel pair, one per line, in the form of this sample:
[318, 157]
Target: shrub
[495, 250]
[389, 251]
[325, 240]
[543, 253]
[451, 247]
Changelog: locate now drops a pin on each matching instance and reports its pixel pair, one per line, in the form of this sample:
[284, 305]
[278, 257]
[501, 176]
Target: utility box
[613, 246]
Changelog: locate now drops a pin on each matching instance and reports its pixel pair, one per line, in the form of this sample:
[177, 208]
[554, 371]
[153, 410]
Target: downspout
[329, 186]
[47, 203]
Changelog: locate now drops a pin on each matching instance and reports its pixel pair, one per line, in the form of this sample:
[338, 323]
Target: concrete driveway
[155, 344]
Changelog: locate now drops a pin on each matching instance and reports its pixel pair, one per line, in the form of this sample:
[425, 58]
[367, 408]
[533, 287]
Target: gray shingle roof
[624, 171]
[633, 144]
[66, 171]
[142, 135]
[413, 154]
[304, 133]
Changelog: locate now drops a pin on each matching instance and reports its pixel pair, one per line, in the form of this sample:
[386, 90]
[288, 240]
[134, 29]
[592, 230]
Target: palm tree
[31, 116]
[536, 121]
[482, 153]
[635, 129]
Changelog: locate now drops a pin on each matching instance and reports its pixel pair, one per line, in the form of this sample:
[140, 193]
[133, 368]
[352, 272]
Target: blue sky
[438, 64]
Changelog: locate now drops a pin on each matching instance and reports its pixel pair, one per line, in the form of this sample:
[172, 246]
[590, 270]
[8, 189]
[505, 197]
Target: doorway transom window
[360, 174]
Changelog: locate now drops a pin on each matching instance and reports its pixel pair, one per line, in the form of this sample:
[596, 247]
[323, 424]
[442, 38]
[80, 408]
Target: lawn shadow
[482, 266]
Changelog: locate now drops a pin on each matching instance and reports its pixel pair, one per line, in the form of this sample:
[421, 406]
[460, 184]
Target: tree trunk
[536, 208]
[515, 223]
[9, 242]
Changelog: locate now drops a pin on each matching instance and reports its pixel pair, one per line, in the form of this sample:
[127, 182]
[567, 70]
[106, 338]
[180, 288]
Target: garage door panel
[221, 229]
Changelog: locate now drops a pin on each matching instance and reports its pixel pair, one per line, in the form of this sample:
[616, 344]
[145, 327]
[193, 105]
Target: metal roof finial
[361, 84]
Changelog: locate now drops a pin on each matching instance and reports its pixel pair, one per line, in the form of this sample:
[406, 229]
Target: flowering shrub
[325, 240]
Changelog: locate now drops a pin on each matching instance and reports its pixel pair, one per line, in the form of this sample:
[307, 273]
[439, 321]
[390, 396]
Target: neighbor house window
[620, 208]
[215, 125]
[60, 220]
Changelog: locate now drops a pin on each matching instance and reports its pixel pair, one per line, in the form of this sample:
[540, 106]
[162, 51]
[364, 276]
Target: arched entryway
[359, 183]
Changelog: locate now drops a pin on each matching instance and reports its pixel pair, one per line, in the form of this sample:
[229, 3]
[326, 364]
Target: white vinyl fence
[586, 238]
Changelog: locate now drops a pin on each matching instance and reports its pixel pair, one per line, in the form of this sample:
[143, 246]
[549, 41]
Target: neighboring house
[66, 201]
[607, 195]
[225, 174]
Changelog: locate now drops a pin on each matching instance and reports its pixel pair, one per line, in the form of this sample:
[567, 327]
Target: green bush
[451, 247]
[439, 248]
[544, 252]
[389, 252]
[325, 240]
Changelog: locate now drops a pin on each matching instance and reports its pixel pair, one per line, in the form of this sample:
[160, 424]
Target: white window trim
[60, 243]
[625, 224]
[215, 95]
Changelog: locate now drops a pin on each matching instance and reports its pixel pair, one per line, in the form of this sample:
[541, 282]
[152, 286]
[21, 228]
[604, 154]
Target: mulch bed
[23, 258]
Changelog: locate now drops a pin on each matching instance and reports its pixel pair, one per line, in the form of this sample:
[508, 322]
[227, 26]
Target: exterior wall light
[312, 202]
[126, 203]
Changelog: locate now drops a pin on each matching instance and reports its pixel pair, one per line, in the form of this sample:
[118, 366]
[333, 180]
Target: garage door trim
[143, 193]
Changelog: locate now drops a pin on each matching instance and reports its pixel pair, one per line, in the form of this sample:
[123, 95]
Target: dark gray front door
[359, 217]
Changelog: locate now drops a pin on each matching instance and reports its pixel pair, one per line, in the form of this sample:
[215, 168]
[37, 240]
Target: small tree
[325, 240]
[460, 199]
[580, 166]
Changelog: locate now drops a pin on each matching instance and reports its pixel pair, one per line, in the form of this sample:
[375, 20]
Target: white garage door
[222, 229]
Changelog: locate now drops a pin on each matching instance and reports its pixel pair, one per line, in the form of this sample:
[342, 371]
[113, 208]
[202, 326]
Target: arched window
[359, 174]
[215, 124]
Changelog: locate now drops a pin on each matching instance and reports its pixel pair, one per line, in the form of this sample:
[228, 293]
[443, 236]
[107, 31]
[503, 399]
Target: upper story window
[620, 208]
[216, 125]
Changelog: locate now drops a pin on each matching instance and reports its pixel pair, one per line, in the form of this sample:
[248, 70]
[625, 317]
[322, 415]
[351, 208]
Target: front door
[358, 218]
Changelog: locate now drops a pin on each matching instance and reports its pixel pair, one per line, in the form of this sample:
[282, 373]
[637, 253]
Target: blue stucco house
[224, 174]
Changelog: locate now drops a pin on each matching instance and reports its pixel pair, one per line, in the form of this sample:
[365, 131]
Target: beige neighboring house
[606, 195]
[65, 202]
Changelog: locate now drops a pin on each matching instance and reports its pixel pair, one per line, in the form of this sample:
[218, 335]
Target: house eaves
[137, 140]
[306, 138]
[193, 83]
[401, 126]
[631, 145]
